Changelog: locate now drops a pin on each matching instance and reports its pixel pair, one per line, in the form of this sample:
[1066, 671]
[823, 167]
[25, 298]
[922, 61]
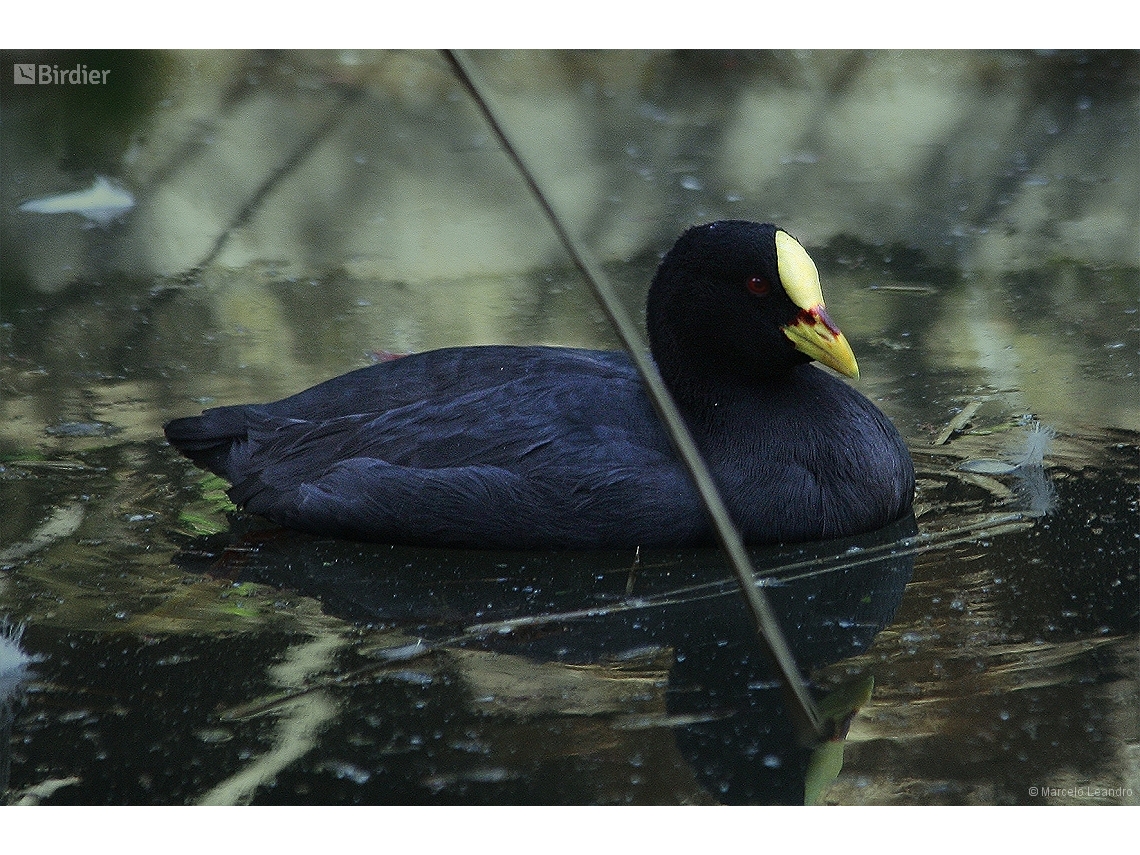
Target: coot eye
[759, 286]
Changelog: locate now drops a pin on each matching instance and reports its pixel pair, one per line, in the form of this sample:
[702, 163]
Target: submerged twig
[800, 704]
[957, 423]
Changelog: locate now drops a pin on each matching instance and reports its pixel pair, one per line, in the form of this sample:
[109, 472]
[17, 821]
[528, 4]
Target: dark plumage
[532, 447]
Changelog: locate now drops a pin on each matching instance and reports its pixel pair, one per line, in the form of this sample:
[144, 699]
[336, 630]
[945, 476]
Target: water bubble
[348, 771]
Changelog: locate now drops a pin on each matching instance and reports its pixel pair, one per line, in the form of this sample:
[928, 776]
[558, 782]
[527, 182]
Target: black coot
[538, 447]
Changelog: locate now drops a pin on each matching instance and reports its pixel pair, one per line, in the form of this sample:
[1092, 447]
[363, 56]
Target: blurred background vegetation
[377, 163]
[274, 217]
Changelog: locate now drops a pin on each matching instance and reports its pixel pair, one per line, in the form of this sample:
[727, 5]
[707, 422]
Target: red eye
[759, 286]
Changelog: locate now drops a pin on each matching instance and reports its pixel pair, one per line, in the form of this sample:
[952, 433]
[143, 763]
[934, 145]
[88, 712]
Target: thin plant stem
[800, 704]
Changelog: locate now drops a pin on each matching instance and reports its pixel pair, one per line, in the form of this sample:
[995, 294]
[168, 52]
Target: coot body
[541, 447]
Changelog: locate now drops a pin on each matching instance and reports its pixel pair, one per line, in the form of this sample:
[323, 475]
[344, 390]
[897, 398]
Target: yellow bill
[812, 332]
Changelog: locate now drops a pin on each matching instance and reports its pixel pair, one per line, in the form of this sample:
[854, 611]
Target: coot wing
[489, 446]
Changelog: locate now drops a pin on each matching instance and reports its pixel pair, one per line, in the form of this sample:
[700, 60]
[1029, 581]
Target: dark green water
[1001, 637]
[174, 652]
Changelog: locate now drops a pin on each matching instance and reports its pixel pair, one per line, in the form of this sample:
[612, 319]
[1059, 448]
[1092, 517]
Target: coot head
[740, 300]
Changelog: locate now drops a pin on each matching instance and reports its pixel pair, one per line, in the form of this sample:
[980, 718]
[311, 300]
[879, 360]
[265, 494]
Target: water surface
[174, 651]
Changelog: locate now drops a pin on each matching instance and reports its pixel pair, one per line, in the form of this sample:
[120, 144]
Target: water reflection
[721, 698]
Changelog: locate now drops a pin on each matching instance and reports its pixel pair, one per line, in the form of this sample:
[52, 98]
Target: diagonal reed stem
[800, 705]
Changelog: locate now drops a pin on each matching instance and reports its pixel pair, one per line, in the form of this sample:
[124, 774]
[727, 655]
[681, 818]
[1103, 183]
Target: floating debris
[1038, 442]
[214, 735]
[100, 204]
[63, 464]
[904, 288]
[957, 423]
[1030, 454]
[1033, 490]
[987, 466]
[82, 429]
